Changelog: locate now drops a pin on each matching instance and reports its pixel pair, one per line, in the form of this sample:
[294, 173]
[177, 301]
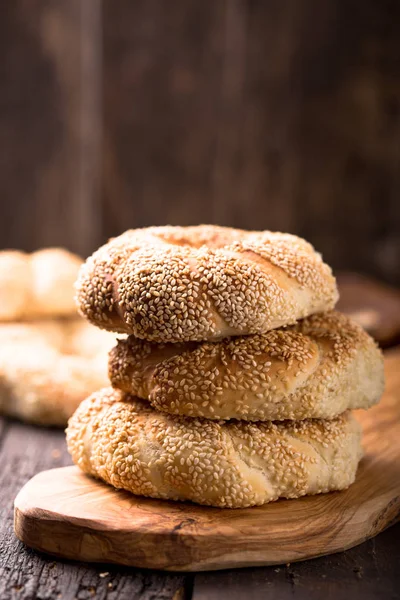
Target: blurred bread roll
[37, 285]
[48, 367]
[15, 283]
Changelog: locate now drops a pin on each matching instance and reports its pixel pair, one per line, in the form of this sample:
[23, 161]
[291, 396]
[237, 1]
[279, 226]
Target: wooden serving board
[65, 513]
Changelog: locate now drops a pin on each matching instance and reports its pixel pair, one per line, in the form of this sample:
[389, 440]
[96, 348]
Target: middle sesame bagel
[317, 368]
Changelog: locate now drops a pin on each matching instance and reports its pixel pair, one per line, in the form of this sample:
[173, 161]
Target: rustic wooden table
[370, 571]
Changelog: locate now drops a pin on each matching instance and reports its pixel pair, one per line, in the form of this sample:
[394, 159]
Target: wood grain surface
[50, 123]
[68, 514]
[245, 113]
[124, 114]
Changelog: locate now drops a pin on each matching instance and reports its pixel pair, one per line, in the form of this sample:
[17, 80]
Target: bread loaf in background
[48, 367]
[37, 285]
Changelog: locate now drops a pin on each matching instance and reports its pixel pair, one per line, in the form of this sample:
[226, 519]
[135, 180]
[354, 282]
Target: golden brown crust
[317, 368]
[170, 284]
[236, 464]
[48, 367]
[37, 285]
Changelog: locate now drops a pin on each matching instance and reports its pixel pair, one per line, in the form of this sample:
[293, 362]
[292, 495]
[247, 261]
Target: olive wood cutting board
[68, 514]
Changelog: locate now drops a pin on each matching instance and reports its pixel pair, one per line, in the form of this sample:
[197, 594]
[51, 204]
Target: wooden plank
[260, 189]
[348, 123]
[68, 514]
[193, 149]
[25, 575]
[246, 114]
[241, 113]
[367, 572]
[50, 123]
[162, 69]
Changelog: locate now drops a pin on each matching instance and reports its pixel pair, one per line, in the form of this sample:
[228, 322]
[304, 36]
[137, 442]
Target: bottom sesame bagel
[126, 443]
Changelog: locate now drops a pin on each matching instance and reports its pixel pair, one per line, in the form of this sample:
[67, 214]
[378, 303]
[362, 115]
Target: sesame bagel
[47, 367]
[38, 285]
[169, 284]
[127, 444]
[317, 368]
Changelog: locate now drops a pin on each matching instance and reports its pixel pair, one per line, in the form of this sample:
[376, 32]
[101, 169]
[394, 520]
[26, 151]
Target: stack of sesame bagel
[236, 382]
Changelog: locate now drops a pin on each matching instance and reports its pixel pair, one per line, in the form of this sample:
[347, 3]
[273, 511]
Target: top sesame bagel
[169, 284]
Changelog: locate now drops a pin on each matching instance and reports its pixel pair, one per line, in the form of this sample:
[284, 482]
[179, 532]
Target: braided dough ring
[169, 284]
[228, 464]
[317, 368]
[37, 285]
[47, 367]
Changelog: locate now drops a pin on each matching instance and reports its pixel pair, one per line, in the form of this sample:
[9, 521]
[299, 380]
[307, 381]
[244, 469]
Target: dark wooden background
[279, 114]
